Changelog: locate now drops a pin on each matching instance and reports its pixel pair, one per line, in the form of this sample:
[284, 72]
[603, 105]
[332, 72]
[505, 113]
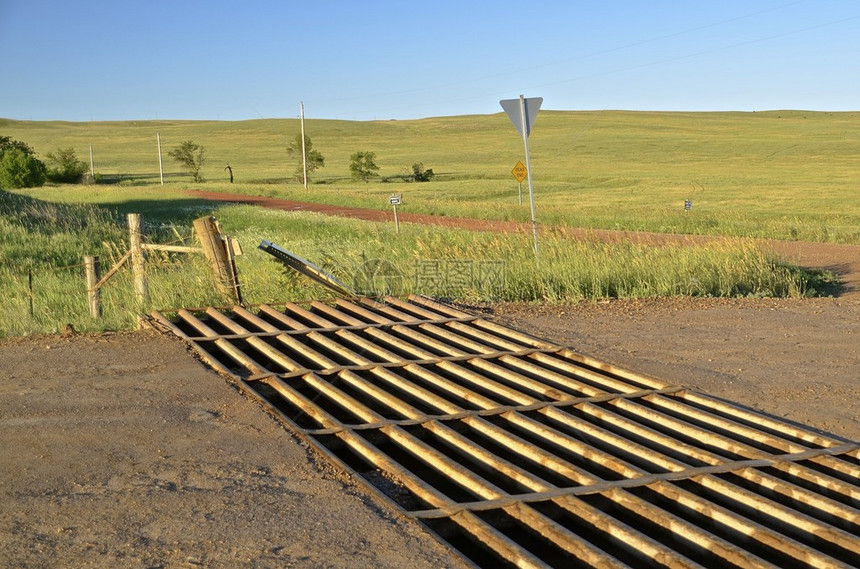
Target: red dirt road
[842, 260]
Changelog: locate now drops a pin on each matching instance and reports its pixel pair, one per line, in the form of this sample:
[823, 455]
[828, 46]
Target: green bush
[420, 174]
[363, 166]
[192, 156]
[21, 170]
[67, 169]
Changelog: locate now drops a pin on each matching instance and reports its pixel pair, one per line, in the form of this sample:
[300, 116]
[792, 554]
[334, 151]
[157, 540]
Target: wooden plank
[113, 270]
[171, 248]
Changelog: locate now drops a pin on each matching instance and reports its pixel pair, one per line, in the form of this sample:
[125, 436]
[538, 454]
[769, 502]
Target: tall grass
[487, 266]
[49, 240]
[41, 264]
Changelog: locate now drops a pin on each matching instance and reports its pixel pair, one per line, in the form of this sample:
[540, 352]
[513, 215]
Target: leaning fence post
[135, 239]
[216, 251]
[94, 292]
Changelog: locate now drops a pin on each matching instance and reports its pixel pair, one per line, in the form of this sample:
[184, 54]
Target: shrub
[419, 174]
[7, 143]
[363, 166]
[67, 168]
[315, 159]
[19, 169]
[191, 156]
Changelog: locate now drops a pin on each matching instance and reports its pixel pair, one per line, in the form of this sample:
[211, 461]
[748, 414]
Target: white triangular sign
[514, 110]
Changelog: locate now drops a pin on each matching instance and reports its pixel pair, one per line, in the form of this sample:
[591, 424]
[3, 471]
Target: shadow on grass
[137, 179]
[826, 282]
[167, 212]
[52, 217]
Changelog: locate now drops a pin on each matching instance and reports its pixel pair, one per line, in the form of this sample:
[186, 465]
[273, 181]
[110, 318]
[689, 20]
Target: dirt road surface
[123, 450]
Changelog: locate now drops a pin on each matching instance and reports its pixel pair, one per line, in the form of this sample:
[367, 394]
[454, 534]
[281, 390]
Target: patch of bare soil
[124, 451]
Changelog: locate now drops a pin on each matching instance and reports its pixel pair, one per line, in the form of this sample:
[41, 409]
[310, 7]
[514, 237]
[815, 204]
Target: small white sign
[395, 199]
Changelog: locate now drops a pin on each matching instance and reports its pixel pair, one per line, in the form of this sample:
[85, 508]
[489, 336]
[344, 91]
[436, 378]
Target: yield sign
[515, 109]
[522, 113]
[520, 172]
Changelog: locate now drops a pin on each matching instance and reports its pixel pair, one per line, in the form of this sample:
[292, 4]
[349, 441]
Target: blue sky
[135, 60]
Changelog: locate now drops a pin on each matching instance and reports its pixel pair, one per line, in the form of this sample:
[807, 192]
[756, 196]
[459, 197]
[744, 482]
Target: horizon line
[619, 110]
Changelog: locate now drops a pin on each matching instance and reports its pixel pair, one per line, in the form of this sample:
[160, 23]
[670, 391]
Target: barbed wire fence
[50, 298]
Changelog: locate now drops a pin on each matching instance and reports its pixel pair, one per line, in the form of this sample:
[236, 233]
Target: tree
[191, 156]
[7, 143]
[19, 169]
[314, 158]
[68, 169]
[363, 166]
[419, 174]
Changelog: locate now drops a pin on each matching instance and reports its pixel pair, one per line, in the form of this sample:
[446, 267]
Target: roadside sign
[395, 200]
[520, 172]
[522, 112]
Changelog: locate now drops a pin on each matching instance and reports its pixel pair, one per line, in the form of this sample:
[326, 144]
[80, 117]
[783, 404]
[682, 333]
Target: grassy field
[41, 275]
[788, 175]
[778, 174]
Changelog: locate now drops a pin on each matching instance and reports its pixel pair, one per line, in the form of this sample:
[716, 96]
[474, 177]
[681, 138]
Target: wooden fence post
[219, 258]
[141, 289]
[94, 292]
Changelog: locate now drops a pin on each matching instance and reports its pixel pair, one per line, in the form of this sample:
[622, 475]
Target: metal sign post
[395, 200]
[522, 113]
[304, 150]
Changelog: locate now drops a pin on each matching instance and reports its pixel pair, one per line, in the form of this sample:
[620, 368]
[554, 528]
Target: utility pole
[304, 151]
[160, 165]
[92, 167]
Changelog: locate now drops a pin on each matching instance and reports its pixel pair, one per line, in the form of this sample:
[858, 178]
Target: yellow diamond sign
[520, 172]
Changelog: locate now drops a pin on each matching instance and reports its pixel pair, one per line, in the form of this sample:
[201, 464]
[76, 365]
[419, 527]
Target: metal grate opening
[518, 452]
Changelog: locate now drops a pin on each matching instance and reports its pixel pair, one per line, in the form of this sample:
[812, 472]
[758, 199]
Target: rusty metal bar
[536, 342]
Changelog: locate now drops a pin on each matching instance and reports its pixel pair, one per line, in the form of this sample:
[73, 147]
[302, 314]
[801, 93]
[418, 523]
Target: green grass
[788, 175]
[488, 266]
[776, 174]
[48, 241]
